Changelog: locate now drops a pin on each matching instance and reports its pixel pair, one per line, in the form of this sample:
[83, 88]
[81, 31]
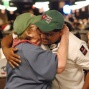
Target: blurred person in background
[88, 38]
[71, 29]
[1, 34]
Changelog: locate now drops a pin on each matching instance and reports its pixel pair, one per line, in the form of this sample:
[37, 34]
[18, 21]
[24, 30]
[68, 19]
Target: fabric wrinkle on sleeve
[44, 63]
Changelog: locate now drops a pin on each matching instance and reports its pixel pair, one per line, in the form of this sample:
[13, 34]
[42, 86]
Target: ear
[28, 33]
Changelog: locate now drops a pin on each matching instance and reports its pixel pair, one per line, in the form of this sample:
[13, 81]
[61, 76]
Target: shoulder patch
[83, 50]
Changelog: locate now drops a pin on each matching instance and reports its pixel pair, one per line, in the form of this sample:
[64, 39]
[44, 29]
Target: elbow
[60, 70]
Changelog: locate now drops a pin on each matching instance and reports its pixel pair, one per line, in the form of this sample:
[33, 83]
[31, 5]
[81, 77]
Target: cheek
[37, 35]
[54, 39]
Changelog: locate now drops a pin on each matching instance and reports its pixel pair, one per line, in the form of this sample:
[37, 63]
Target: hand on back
[12, 58]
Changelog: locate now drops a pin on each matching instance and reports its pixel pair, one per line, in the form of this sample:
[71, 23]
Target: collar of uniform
[53, 46]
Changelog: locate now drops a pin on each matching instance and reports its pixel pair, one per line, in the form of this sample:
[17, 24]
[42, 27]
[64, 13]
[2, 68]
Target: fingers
[12, 58]
[14, 49]
[65, 29]
[15, 57]
[13, 54]
[13, 64]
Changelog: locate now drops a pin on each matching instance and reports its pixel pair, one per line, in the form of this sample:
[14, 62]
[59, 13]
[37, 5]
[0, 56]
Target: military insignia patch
[83, 50]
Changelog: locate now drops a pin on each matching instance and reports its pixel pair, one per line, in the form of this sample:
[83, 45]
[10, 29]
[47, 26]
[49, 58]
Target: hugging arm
[8, 51]
[62, 52]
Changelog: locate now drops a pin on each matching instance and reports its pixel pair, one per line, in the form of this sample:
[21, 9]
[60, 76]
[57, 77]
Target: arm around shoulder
[6, 44]
[7, 41]
[62, 52]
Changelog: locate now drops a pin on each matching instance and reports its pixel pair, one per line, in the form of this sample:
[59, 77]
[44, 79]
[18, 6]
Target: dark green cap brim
[47, 27]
